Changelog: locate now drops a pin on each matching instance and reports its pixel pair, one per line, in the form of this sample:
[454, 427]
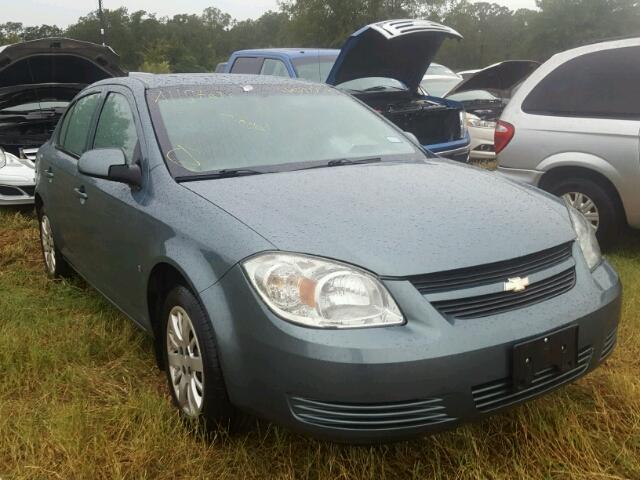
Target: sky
[65, 12]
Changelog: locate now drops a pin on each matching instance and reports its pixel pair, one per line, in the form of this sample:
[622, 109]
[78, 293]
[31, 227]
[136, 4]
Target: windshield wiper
[384, 87]
[339, 162]
[224, 173]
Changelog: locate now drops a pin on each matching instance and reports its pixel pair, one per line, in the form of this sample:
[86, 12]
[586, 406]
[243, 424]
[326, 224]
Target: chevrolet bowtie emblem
[516, 284]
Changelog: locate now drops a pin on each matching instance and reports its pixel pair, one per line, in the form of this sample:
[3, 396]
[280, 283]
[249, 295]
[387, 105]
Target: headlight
[475, 121]
[463, 124]
[7, 158]
[586, 238]
[320, 293]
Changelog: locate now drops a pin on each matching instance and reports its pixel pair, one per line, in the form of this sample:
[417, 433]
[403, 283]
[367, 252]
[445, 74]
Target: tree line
[196, 43]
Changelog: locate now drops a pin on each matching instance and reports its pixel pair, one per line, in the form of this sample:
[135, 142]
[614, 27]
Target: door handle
[80, 193]
[48, 173]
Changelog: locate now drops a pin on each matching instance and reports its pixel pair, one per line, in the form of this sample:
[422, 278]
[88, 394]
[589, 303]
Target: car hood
[22, 94]
[399, 49]
[56, 61]
[394, 219]
[500, 77]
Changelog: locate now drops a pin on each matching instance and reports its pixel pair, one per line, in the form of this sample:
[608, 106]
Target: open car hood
[398, 49]
[56, 61]
[40, 92]
[500, 77]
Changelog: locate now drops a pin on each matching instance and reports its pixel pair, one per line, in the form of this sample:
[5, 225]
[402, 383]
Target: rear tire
[54, 263]
[581, 190]
[191, 361]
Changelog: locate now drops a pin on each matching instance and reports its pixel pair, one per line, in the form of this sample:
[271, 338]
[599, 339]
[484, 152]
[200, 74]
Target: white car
[37, 80]
[17, 179]
[484, 95]
[438, 80]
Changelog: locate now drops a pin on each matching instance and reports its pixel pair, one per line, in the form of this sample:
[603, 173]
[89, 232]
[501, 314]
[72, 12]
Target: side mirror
[109, 164]
[413, 138]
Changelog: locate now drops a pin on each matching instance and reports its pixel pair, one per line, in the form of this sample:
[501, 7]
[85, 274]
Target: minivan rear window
[601, 84]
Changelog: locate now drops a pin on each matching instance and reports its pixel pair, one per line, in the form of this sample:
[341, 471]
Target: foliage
[81, 397]
[196, 43]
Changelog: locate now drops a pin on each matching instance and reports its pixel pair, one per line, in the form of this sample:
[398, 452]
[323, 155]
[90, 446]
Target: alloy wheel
[184, 360]
[584, 205]
[48, 247]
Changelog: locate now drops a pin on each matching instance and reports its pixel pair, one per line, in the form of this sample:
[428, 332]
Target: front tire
[596, 202]
[191, 359]
[54, 263]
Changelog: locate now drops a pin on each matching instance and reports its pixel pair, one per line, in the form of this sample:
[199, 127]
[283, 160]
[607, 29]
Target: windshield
[373, 84]
[438, 87]
[472, 95]
[437, 69]
[315, 69]
[218, 127]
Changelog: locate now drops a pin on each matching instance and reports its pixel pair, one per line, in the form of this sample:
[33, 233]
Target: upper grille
[494, 303]
[370, 416]
[491, 272]
[28, 153]
[493, 395]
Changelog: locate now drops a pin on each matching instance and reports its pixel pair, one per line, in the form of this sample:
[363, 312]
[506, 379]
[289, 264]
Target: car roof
[289, 52]
[151, 80]
[594, 47]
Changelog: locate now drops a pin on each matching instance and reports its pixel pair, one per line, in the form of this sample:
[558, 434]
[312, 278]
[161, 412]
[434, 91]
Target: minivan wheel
[193, 369]
[595, 202]
[54, 263]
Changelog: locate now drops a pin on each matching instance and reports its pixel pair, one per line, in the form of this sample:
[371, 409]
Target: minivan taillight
[502, 136]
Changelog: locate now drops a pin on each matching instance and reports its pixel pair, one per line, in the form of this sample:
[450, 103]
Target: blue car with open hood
[382, 65]
[296, 256]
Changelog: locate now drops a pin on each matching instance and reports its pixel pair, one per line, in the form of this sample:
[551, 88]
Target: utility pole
[100, 14]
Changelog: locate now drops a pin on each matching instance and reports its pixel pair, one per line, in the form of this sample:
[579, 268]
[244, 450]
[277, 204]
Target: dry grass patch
[80, 397]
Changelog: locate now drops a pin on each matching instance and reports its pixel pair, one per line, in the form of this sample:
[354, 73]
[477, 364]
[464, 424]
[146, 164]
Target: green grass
[80, 397]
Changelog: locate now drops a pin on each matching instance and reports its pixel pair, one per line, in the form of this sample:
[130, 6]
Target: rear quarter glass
[602, 84]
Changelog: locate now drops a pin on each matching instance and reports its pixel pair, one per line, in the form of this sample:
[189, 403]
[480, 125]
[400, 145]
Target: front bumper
[531, 177]
[457, 150]
[482, 146]
[17, 185]
[384, 384]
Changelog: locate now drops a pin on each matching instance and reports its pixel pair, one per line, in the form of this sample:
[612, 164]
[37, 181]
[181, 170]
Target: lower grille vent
[498, 394]
[10, 191]
[609, 343]
[370, 416]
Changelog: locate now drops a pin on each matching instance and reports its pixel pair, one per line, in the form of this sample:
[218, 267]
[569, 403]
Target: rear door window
[116, 126]
[250, 65]
[77, 123]
[271, 66]
[601, 84]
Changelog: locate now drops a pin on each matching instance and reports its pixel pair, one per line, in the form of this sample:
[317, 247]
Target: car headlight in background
[463, 124]
[315, 292]
[477, 122]
[8, 159]
[586, 238]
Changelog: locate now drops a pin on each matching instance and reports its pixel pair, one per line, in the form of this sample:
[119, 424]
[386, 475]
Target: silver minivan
[573, 129]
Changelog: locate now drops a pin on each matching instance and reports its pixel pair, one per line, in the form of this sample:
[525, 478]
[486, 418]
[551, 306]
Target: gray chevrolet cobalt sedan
[296, 256]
